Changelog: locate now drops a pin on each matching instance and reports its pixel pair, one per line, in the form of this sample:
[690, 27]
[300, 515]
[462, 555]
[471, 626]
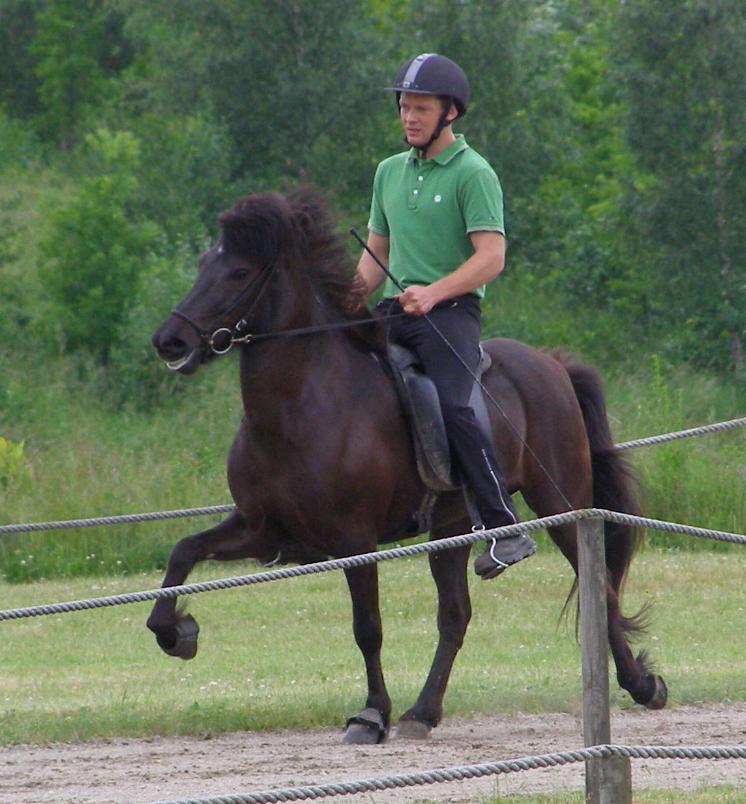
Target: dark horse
[323, 459]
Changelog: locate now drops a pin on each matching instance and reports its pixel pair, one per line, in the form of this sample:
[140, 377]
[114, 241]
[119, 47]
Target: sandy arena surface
[129, 770]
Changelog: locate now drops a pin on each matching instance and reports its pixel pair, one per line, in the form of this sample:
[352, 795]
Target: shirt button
[415, 192]
[420, 178]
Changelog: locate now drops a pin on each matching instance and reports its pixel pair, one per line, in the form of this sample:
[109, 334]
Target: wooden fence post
[608, 780]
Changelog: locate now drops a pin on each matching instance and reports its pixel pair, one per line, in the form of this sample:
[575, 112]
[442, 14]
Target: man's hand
[418, 299]
[483, 266]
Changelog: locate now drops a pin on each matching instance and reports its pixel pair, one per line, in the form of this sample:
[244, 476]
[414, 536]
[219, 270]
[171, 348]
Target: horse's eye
[239, 274]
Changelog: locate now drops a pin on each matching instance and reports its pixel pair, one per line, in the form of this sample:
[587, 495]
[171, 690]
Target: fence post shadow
[608, 780]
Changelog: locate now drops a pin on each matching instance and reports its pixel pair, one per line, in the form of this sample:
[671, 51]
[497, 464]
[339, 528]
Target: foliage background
[617, 130]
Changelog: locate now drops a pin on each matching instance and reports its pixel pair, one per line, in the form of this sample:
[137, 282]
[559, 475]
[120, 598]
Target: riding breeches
[457, 321]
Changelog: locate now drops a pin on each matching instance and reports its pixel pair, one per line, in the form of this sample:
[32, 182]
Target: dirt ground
[129, 770]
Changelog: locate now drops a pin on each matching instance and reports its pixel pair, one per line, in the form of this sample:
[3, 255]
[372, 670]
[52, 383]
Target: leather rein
[236, 334]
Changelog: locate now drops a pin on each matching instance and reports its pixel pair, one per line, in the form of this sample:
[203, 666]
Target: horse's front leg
[372, 724]
[176, 632]
[448, 569]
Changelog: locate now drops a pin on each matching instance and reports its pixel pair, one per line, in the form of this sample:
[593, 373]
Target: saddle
[419, 399]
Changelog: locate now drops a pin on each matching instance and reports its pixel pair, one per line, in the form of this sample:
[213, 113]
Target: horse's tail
[614, 484]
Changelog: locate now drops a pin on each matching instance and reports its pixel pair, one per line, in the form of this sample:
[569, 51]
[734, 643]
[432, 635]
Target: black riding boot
[499, 554]
[496, 509]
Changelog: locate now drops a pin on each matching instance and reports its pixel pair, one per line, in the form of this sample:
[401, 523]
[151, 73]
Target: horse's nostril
[171, 347]
[176, 345]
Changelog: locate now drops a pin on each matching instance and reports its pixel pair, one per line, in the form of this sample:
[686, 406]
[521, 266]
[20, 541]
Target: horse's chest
[292, 462]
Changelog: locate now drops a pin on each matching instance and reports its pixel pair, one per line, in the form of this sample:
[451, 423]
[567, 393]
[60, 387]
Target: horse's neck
[286, 370]
[289, 368]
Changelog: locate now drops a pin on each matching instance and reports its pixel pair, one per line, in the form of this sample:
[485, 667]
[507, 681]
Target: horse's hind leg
[176, 632]
[448, 569]
[633, 674]
[372, 724]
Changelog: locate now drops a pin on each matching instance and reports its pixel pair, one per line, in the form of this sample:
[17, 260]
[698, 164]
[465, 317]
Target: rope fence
[694, 431]
[220, 509]
[120, 519]
[367, 558]
[460, 773]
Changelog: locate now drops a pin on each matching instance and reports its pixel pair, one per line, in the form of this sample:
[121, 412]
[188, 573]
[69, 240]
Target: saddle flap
[421, 404]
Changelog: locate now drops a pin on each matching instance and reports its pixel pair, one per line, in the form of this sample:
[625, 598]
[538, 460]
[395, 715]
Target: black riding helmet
[432, 74]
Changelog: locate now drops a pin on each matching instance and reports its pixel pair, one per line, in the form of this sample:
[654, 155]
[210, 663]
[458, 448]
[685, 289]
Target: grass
[282, 654]
[88, 461]
[699, 481]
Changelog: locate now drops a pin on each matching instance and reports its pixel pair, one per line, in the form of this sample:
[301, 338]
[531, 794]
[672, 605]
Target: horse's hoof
[411, 730]
[365, 728]
[179, 639]
[660, 694]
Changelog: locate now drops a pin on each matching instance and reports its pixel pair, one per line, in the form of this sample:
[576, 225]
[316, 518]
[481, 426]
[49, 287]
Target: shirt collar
[446, 155]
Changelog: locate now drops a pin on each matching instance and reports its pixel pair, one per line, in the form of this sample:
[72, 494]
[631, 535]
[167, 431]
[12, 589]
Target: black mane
[298, 229]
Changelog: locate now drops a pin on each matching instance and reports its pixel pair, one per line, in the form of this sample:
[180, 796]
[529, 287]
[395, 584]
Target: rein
[233, 335]
[290, 333]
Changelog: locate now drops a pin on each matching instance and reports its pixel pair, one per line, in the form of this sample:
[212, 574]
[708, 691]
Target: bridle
[212, 334]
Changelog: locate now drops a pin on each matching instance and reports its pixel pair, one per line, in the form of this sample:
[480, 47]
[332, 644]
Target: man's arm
[483, 266]
[369, 271]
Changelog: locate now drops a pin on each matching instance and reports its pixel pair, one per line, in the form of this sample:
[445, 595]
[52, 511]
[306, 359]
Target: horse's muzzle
[176, 348]
[184, 365]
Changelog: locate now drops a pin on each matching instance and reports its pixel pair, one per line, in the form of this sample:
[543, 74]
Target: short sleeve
[482, 202]
[378, 222]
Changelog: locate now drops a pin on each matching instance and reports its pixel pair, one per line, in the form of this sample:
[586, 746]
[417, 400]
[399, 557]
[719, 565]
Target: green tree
[95, 250]
[683, 66]
[18, 84]
[186, 173]
[581, 225]
[298, 86]
[76, 47]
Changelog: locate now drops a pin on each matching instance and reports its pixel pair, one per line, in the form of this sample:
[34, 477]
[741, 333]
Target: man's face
[419, 116]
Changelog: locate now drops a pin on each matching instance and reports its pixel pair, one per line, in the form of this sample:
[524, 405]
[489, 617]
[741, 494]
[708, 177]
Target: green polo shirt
[427, 208]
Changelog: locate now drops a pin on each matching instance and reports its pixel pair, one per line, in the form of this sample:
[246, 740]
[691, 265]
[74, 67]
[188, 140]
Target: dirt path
[131, 771]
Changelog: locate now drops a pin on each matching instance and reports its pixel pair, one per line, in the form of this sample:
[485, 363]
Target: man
[436, 222]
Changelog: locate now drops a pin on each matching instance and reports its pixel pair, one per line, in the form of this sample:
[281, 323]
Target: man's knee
[458, 415]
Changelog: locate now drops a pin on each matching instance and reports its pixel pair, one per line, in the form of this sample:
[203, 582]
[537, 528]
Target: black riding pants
[458, 321]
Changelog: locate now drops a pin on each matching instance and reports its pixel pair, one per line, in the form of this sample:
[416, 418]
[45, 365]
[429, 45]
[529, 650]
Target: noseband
[210, 334]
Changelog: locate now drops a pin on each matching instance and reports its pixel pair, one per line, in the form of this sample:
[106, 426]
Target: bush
[184, 172]
[19, 147]
[96, 248]
[134, 376]
[13, 467]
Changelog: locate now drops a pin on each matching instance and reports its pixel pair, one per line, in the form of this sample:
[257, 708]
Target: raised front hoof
[179, 639]
[660, 694]
[411, 730]
[365, 728]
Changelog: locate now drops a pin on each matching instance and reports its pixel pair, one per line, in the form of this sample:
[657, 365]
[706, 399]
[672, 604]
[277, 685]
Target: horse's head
[238, 283]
